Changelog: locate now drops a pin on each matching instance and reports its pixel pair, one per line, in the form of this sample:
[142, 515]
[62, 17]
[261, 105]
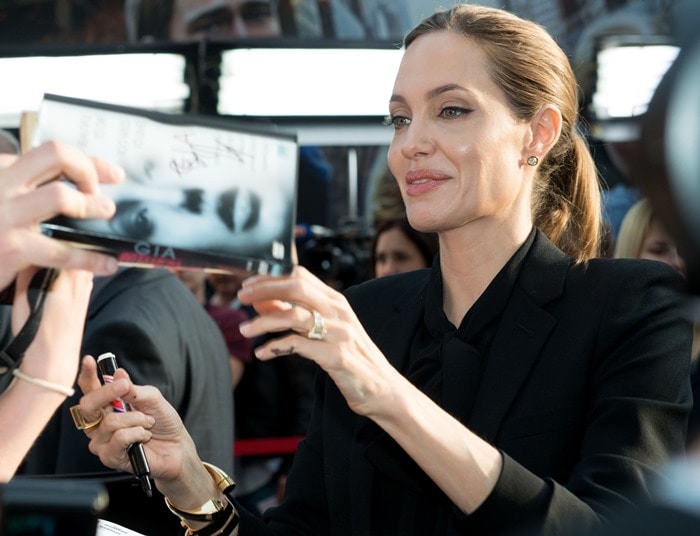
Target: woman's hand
[172, 456]
[345, 352]
[30, 194]
[170, 451]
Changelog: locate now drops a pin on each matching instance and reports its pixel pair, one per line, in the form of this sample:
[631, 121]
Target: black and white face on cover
[196, 210]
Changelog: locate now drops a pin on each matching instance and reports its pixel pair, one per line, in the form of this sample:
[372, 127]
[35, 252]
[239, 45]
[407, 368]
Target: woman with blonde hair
[644, 236]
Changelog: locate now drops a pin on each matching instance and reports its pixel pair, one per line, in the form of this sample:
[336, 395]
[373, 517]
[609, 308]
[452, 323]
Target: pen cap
[107, 364]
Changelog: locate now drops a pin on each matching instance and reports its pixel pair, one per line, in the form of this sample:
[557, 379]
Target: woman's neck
[469, 260]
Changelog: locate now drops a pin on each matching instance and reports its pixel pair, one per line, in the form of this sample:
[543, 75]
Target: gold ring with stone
[81, 423]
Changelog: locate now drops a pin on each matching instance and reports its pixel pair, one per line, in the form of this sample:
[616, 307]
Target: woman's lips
[422, 181]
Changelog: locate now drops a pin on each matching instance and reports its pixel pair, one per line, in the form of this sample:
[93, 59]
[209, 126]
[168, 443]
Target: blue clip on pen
[107, 364]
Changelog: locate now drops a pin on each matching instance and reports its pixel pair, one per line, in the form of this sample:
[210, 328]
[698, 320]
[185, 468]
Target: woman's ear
[545, 129]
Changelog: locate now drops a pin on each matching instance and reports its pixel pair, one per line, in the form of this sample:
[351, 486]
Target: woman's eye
[450, 112]
[396, 121]
[141, 225]
[133, 220]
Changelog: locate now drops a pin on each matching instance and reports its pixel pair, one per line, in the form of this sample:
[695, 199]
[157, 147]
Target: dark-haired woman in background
[397, 247]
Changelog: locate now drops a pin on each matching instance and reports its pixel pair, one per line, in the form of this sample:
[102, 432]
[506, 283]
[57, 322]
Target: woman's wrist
[397, 393]
[192, 487]
[52, 364]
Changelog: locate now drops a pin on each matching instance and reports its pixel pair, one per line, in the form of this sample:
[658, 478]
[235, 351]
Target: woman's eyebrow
[433, 92]
[444, 89]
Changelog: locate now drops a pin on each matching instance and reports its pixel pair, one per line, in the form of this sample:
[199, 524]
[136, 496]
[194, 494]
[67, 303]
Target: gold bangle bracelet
[210, 510]
[223, 524]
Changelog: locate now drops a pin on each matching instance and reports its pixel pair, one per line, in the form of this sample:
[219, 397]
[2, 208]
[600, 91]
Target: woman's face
[658, 245]
[457, 151]
[395, 254]
[195, 211]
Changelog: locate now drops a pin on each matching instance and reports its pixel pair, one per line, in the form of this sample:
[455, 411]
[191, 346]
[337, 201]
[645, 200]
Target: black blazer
[586, 392]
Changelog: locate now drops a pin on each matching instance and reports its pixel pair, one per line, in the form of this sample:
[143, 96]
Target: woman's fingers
[39, 250]
[95, 395]
[295, 317]
[107, 172]
[270, 306]
[299, 302]
[52, 160]
[115, 434]
[30, 194]
[57, 197]
[87, 377]
[126, 428]
[300, 288]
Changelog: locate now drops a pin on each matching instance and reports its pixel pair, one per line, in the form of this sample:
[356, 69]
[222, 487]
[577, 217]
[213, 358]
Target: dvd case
[200, 192]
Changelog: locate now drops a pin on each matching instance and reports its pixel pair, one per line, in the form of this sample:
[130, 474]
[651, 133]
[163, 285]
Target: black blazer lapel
[524, 329]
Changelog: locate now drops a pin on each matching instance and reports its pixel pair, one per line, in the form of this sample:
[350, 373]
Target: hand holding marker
[107, 364]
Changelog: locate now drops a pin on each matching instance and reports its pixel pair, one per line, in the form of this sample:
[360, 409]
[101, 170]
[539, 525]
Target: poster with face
[199, 192]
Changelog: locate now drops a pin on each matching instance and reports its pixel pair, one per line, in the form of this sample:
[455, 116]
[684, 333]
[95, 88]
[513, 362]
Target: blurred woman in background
[644, 236]
[397, 247]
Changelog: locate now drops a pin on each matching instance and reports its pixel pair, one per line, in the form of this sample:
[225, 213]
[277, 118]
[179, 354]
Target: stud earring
[532, 160]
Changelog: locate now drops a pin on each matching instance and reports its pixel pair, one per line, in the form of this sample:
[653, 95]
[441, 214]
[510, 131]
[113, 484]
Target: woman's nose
[677, 261]
[417, 142]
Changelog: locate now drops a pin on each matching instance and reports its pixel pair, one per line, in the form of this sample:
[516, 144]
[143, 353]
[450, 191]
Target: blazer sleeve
[636, 422]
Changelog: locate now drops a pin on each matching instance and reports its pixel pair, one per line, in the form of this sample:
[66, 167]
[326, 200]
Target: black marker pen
[107, 364]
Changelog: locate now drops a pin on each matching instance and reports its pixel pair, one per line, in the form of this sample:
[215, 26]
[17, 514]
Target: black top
[446, 364]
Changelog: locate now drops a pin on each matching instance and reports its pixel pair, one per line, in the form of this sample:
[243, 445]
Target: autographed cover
[200, 193]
